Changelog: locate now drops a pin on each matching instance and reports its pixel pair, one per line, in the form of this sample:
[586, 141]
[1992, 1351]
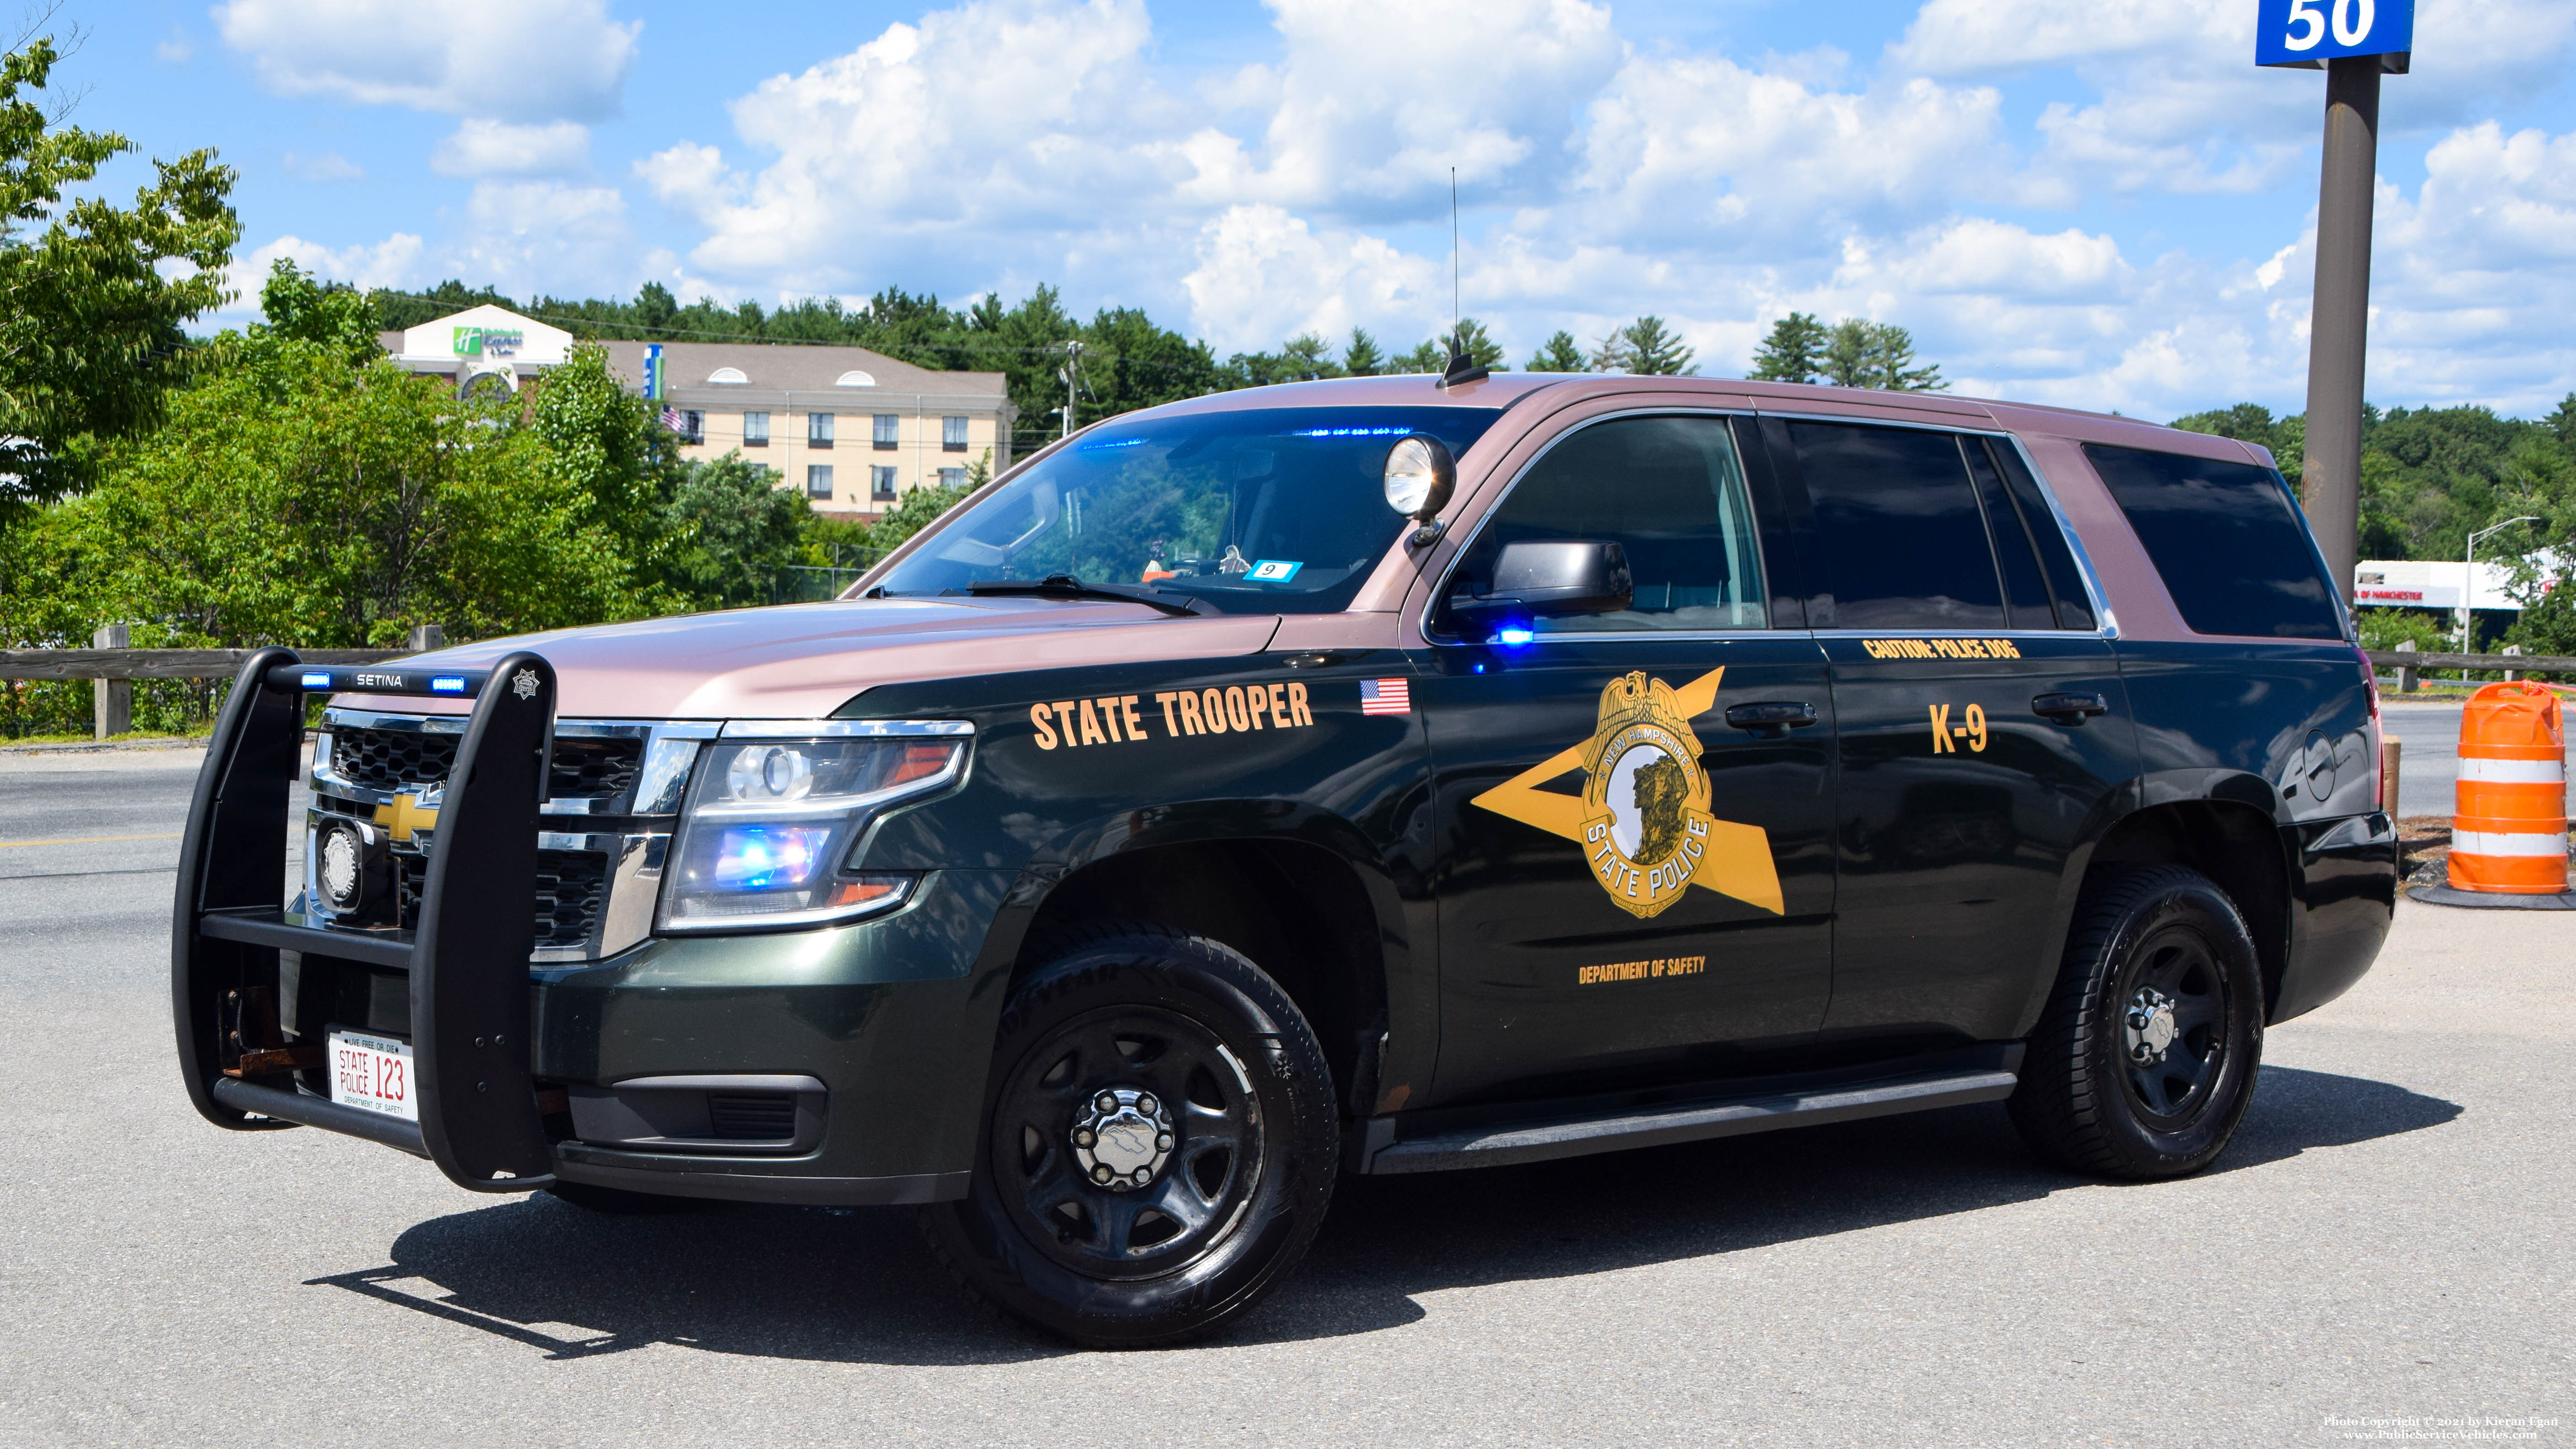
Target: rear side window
[1904, 542]
[2228, 539]
[2066, 587]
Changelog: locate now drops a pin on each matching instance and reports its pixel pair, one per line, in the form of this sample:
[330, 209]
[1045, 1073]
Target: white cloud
[1375, 103]
[1000, 116]
[1264, 275]
[533, 237]
[392, 262]
[175, 49]
[498, 148]
[321, 166]
[513, 60]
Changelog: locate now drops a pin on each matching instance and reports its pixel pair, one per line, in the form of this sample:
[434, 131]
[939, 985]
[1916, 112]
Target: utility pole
[1071, 372]
[2354, 42]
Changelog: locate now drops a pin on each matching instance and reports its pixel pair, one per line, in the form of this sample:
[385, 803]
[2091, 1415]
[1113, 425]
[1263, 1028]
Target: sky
[2099, 204]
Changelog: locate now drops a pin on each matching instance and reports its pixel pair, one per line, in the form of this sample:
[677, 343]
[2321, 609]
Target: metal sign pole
[2339, 319]
[2354, 42]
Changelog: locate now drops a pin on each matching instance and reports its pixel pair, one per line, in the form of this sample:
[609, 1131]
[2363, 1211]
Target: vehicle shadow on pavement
[857, 1285]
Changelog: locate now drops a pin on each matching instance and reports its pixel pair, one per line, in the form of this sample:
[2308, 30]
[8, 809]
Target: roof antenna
[1462, 367]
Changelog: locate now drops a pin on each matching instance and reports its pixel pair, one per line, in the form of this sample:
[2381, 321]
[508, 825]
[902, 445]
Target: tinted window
[2065, 585]
[1269, 510]
[1904, 543]
[1669, 491]
[2025, 587]
[2229, 541]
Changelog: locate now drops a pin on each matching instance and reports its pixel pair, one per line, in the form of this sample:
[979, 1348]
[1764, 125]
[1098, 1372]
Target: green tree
[1862, 353]
[1430, 356]
[1308, 356]
[2563, 420]
[1560, 353]
[1654, 350]
[92, 296]
[1362, 358]
[1472, 339]
[1610, 354]
[732, 529]
[1794, 352]
[302, 309]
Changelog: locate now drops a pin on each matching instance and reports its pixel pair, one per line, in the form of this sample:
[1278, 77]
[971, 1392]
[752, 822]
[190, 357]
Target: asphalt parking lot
[2391, 1238]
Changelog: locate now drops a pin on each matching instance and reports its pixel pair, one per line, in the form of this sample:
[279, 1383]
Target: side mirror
[1536, 579]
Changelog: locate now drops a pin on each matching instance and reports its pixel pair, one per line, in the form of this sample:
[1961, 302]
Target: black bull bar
[467, 962]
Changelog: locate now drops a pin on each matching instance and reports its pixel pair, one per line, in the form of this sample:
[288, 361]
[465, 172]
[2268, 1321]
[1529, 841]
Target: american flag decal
[1385, 696]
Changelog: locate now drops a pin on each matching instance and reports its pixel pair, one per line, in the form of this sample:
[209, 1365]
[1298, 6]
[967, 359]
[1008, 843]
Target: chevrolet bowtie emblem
[404, 816]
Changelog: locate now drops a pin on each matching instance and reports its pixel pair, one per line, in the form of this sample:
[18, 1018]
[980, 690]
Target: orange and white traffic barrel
[2509, 826]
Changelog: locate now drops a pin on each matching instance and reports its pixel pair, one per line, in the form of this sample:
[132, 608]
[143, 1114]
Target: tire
[617, 1201]
[2145, 1057]
[1157, 1145]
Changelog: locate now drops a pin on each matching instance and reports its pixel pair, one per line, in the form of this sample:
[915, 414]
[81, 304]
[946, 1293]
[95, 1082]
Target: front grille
[583, 768]
[391, 759]
[586, 768]
[571, 886]
[752, 1116]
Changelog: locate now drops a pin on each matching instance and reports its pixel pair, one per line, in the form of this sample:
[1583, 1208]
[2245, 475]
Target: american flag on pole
[1385, 696]
[671, 418]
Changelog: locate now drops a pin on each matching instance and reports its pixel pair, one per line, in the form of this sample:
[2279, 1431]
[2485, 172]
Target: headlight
[771, 824]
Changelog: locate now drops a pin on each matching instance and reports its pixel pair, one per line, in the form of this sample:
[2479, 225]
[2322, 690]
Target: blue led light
[765, 857]
[1351, 432]
[317, 679]
[1102, 444]
[1514, 636]
[448, 684]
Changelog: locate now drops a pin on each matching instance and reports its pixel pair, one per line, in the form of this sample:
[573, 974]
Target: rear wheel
[2144, 1061]
[1158, 1147]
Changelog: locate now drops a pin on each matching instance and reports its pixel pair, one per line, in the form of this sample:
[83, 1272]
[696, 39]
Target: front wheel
[1159, 1143]
[2144, 1060]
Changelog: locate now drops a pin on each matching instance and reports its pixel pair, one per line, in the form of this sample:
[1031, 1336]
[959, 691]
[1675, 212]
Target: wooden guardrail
[2525, 663]
[131, 664]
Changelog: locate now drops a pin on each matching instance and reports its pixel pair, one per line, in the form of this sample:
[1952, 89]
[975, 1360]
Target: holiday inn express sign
[486, 341]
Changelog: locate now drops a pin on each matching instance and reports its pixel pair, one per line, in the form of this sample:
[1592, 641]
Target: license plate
[373, 1073]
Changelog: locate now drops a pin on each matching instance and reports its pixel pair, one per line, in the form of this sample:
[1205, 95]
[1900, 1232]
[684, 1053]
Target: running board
[1502, 1145]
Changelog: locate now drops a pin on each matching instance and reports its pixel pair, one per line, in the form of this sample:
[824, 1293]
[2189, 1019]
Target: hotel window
[883, 484]
[952, 477]
[818, 480]
[755, 430]
[692, 424]
[818, 430]
[886, 425]
[952, 435]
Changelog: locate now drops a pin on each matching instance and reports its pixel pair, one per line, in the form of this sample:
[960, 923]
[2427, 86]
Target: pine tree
[1793, 352]
[1893, 365]
[1304, 357]
[1653, 350]
[1363, 359]
[1472, 339]
[1847, 350]
[1610, 354]
[1558, 354]
[1429, 357]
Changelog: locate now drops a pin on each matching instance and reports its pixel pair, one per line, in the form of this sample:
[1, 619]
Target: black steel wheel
[2144, 1061]
[1158, 1144]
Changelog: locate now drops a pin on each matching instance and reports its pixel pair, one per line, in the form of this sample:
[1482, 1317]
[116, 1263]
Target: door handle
[2069, 709]
[1771, 719]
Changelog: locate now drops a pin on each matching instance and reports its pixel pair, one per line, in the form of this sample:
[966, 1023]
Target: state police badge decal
[1644, 819]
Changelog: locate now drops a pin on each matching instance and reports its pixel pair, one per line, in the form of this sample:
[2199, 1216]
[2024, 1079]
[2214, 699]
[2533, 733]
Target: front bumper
[893, 1015]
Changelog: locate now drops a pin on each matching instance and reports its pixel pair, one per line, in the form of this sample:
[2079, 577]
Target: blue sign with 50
[2312, 32]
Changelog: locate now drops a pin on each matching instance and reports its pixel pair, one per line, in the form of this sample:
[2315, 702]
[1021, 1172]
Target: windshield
[1281, 510]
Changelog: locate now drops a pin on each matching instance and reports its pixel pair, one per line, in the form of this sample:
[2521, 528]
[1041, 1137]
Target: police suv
[1371, 776]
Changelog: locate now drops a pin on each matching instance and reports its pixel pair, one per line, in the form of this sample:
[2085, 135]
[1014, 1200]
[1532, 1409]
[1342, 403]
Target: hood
[803, 661]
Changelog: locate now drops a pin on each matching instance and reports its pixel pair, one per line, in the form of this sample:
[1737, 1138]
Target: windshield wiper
[1066, 586]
